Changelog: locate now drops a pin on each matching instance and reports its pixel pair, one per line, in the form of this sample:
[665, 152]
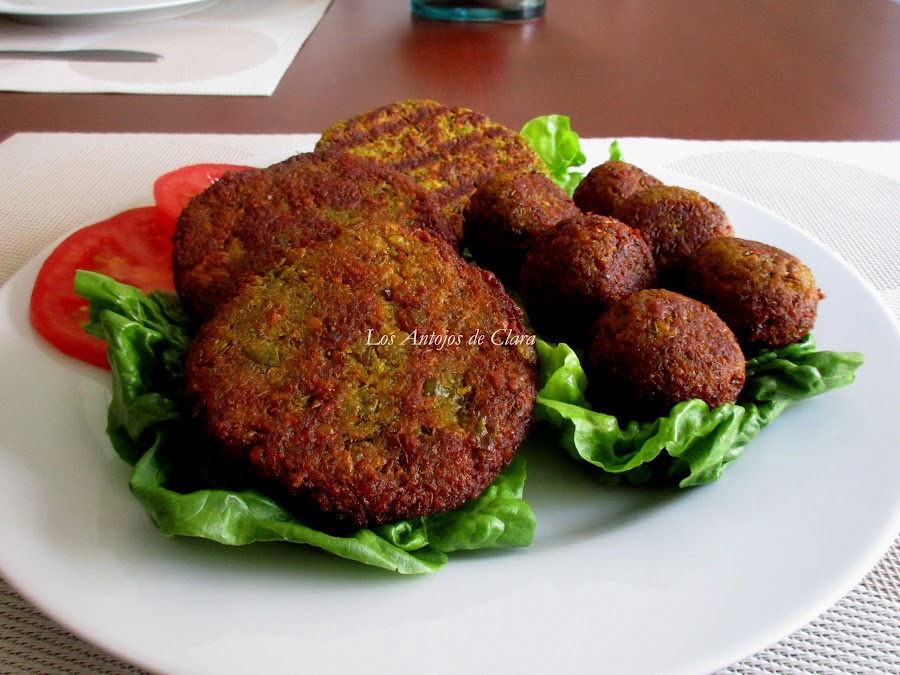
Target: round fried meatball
[505, 216]
[609, 184]
[350, 381]
[243, 223]
[767, 296]
[571, 275]
[657, 348]
[676, 222]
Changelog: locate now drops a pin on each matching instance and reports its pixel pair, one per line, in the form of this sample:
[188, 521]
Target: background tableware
[101, 55]
[478, 10]
[105, 12]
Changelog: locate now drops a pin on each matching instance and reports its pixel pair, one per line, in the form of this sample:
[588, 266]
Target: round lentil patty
[244, 222]
[676, 222]
[345, 378]
[655, 349]
[507, 214]
[571, 275]
[607, 185]
[449, 151]
[767, 296]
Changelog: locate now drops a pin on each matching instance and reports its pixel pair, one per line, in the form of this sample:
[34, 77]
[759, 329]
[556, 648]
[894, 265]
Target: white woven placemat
[804, 183]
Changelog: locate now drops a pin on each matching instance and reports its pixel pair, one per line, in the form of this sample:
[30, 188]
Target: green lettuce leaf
[147, 337]
[554, 140]
[693, 444]
[558, 145]
[615, 152]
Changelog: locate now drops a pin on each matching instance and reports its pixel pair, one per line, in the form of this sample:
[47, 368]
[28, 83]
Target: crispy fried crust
[245, 222]
[572, 275]
[310, 380]
[676, 222]
[767, 296]
[507, 214]
[447, 150]
[657, 348]
[609, 184]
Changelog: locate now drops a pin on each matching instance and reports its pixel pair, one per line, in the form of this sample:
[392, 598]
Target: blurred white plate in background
[63, 12]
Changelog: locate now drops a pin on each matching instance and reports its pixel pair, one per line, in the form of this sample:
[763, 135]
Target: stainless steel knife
[101, 55]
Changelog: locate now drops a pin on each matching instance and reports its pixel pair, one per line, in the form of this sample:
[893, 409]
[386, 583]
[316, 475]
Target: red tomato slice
[133, 247]
[172, 191]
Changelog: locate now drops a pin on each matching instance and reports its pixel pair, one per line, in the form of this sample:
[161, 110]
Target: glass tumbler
[478, 10]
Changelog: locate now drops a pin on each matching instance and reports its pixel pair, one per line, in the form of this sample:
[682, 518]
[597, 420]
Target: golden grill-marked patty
[346, 378]
[245, 222]
[447, 150]
[767, 296]
[655, 349]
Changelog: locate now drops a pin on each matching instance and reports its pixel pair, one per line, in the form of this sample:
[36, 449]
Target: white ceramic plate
[617, 580]
[100, 11]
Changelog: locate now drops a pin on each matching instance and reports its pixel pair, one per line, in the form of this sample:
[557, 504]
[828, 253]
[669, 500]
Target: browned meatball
[657, 348]
[570, 276]
[244, 223]
[609, 184]
[344, 379]
[505, 216]
[676, 222]
[767, 296]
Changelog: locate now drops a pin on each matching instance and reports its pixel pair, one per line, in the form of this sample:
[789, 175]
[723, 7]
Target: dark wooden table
[736, 69]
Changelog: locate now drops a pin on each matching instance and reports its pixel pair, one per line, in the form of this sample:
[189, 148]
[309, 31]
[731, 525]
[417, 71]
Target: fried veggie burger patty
[447, 150]
[243, 223]
[345, 378]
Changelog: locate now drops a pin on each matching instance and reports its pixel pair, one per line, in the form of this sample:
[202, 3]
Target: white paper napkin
[234, 48]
